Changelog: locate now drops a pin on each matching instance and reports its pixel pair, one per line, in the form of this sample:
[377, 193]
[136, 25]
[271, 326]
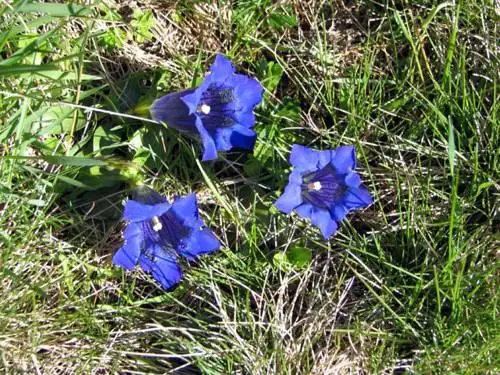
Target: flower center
[314, 186]
[323, 187]
[218, 106]
[204, 108]
[156, 224]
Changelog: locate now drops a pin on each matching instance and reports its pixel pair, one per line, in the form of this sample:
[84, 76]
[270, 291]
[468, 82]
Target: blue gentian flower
[159, 232]
[323, 186]
[219, 111]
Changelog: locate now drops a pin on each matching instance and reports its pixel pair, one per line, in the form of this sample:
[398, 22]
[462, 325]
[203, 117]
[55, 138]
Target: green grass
[407, 285]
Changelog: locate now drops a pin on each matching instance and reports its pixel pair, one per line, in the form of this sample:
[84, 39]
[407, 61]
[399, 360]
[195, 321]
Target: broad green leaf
[280, 261]
[58, 120]
[104, 140]
[31, 48]
[300, 257]
[294, 258]
[273, 75]
[143, 22]
[281, 18]
[14, 30]
[252, 167]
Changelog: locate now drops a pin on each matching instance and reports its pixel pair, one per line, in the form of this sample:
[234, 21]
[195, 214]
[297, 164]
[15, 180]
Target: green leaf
[294, 258]
[21, 69]
[14, 30]
[141, 156]
[274, 72]
[252, 167]
[75, 161]
[37, 202]
[31, 48]
[113, 38]
[300, 257]
[281, 20]
[104, 140]
[58, 120]
[48, 71]
[289, 110]
[451, 147]
[142, 24]
[53, 9]
[58, 75]
[66, 182]
[281, 261]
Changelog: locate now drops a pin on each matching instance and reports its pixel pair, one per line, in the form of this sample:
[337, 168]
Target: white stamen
[157, 226]
[316, 186]
[204, 108]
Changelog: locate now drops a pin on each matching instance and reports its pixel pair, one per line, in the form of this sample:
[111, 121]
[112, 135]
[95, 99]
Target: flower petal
[210, 151]
[344, 159]
[324, 221]
[304, 210]
[307, 159]
[291, 198]
[246, 119]
[128, 254]
[221, 68]
[186, 210]
[352, 179]
[173, 110]
[235, 136]
[200, 241]
[164, 269]
[242, 137]
[144, 194]
[357, 198]
[192, 98]
[243, 140]
[135, 211]
[222, 139]
[220, 71]
[248, 92]
[339, 212]
[295, 177]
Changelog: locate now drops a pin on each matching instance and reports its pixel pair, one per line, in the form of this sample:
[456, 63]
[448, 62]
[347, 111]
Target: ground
[408, 284]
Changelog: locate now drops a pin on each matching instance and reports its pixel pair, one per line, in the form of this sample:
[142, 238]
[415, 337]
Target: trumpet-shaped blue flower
[323, 186]
[219, 111]
[159, 232]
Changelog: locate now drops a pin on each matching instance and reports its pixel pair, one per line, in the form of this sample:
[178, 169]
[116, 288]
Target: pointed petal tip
[358, 197]
[248, 91]
[304, 158]
[304, 210]
[200, 242]
[209, 148]
[191, 101]
[135, 211]
[221, 68]
[124, 259]
[324, 221]
[290, 199]
[186, 209]
[344, 159]
[352, 179]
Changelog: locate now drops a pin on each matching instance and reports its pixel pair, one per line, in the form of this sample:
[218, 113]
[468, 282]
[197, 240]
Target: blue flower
[158, 233]
[219, 111]
[323, 186]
